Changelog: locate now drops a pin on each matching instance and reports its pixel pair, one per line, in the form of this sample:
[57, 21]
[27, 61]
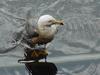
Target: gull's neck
[47, 31]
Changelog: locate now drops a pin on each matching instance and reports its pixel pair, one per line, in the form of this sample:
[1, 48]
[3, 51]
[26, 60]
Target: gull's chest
[41, 40]
[47, 32]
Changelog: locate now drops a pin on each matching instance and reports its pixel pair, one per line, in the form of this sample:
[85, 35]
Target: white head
[47, 21]
[47, 25]
[44, 20]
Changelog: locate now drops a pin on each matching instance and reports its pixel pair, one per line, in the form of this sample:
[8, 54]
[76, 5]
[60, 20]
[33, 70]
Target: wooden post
[35, 67]
[41, 68]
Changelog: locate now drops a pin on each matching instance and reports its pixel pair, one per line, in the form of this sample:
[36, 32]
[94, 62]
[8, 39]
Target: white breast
[48, 32]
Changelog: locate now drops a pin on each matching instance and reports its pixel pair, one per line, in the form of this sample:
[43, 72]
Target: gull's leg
[46, 45]
[45, 58]
[40, 46]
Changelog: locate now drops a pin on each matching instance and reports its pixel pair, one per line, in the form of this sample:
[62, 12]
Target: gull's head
[48, 21]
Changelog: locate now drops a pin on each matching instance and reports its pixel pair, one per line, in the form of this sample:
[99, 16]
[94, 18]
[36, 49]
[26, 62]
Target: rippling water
[77, 42]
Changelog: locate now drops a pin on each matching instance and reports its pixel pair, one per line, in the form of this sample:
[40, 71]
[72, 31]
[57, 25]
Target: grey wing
[31, 31]
[30, 27]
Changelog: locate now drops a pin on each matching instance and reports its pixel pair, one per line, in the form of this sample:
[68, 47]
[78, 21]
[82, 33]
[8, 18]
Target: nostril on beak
[59, 22]
[62, 23]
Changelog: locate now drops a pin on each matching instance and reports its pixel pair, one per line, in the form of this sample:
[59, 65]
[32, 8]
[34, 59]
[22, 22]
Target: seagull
[45, 31]
[42, 34]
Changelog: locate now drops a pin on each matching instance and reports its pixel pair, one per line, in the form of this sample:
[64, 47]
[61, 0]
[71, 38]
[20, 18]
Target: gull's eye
[50, 21]
[49, 25]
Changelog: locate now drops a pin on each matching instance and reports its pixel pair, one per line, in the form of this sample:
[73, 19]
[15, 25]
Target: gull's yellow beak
[60, 22]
